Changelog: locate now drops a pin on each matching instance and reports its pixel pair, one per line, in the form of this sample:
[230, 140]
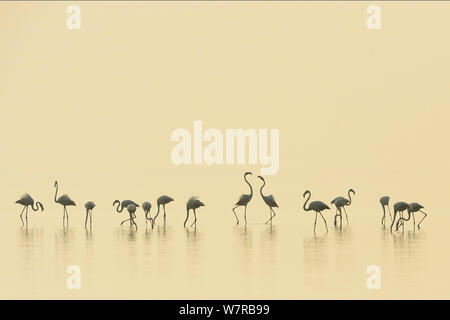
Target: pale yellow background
[95, 108]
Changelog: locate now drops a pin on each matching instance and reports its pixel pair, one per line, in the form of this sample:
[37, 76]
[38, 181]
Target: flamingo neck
[56, 191]
[260, 190]
[349, 197]
[307, 199]
[251, 189]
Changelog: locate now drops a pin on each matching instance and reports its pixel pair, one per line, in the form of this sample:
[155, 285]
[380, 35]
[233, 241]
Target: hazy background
[95, 108]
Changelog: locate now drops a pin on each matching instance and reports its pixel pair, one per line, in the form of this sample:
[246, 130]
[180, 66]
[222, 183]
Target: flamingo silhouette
[385, 203]
[26, 200]
[131, 210]
[400, 207]
[89, 206]
[162, 201]
[317, 206]
[340, 203]
[122, 205]
[269, 200]
[146, 206]
[65, 201]
[192, 204]
[244, 199]
[413, 207]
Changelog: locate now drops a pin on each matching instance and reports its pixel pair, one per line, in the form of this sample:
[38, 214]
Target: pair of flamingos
[400, 207]
[317, 206]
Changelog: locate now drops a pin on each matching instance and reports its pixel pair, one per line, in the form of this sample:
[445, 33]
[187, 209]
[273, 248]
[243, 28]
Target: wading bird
[65, 201]
[162, 201]
[317, 206]
[26, 200]
[123, 205]
[131, 210]
[385, 203]
[413, 207]
[89, 206]
[399, 207]
[244, 199]
[340, 203]
[269, 200]
[146, 206]
[192, 204]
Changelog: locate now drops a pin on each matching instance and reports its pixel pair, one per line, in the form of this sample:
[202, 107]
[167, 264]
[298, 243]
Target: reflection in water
[245, 246]
[193, 249]
[315, 257]
[268, 244]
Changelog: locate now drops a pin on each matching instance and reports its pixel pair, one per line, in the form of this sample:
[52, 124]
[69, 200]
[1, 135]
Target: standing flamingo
[244, 199]
[317, 206]
[400, 207]
[162, 201]
[193, 203]
[269, 200]
[131, 210]
[65, 201]
[413, 207]
[385, 203]
[26, 200]
[340, 203]
[89, 206]
[123, 205]
[146, 206]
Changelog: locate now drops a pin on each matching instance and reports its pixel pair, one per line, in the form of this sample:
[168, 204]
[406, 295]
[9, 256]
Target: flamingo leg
[389, 212]
[195, 220]
[270, 218]
[324, 220]
[237, 220]
[21, 215]
[85, 221]
[132, 219]
[187, 217]
[414, 220]
[424, 216]
[335, 216]
[346, 216]
[315, 222]
[245, 214]
[393, 220]
[164, 208]
[26, 216]
[67, 215]
[384, 215]
[340, 218]
[274, 214]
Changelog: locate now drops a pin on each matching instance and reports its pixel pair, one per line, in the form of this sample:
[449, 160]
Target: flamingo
[400, 207]
[89, 206]
[385, 203]
[269, 200]
[65, 201]
[340, 203]
[413, 207]
[131, 210]
[162, 201]
[146, 206]
[26, 200]
[317, 206]
[123, 205]
[193, 203]
[244, 199]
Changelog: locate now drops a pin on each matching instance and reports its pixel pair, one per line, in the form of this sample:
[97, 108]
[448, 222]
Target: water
[223, 261]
